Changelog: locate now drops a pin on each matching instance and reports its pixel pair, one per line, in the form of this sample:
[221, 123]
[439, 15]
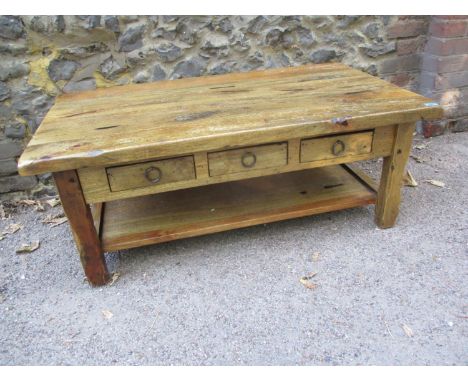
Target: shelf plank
[197, 211]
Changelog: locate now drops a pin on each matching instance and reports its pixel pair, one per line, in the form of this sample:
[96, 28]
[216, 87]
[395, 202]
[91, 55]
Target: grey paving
[235, 297]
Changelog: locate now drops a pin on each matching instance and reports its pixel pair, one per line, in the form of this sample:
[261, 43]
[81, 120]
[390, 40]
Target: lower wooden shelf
[197, 211]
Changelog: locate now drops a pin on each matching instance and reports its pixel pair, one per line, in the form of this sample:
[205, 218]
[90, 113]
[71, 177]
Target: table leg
[388, 197]
[82, 226]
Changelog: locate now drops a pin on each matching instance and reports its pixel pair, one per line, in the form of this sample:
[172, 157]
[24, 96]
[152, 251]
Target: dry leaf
[408, 330]
[1, 237]
[315, 256]
[436, 183]
[408, 180]
[55, 220]
[417, 159]
[39, 206]
[27, 248]
[27, 202]
[107, 314]
[53, 202]
[12, 228]
[115, 277]
[305, 280]
[421, 146]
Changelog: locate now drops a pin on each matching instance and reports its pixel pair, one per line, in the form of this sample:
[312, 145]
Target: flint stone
[11, 27]
[8, 166]
[84, 84]
[306, 38]
[4, 92]
[13, 69]
[37, 24]
[168, 52]
[84, 51]
[62, 69]
[215, 45]
[378, 49]
[141, 77]
[158, 73]
[59, 23]
[346, 21]
[112, 23]
[372, 30]
[323, 55]
[165, 33]
[239, 42]
[110, 68]
[93, 22]
[273, 37]
[222, 24]
[192, 67]
[170, 19]
[224, 67]
[15, 130]
[17, 183]
[186, 33]
[258, 23]
[14, 49]
[131, 39]
[10, 149]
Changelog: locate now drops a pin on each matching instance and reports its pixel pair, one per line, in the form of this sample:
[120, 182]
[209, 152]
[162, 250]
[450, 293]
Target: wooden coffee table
[148, 163]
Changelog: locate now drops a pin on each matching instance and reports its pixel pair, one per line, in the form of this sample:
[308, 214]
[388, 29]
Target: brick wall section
[444, 72]
[409, 34]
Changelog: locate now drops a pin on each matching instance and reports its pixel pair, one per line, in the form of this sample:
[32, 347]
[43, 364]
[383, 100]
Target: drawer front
[150, 173]
[336, 146]
[247, 159]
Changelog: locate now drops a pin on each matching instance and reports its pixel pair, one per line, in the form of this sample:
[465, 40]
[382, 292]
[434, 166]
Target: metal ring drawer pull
[338, 147]
[248, 159]
[153, 174]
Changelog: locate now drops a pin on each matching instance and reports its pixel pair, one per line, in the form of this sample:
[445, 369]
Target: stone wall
[44, 56]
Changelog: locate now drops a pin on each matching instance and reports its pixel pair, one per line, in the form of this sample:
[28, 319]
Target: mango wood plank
[82, 226]
[202, 210]
[96, 188]
[97, 211]
[337, 145]
[247, 158]
[166, 171]
[393, 168]
[172, 118]
[362, 176]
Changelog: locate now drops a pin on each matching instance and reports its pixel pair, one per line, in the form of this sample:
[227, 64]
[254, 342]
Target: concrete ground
[383, 297]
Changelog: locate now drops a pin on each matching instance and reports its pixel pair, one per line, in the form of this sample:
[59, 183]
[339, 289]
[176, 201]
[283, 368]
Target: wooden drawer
[344, 145]
[247, 159]
[150, 173]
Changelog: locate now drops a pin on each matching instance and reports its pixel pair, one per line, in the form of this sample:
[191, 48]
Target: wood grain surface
[202, 210]
[168, 118]
[96, 188]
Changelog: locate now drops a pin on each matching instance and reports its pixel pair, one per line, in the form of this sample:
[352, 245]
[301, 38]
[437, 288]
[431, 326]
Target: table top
[167, 118]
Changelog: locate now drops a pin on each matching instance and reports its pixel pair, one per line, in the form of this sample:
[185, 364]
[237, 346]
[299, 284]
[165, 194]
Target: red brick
[460, 125]
[433, 128]
[400, 79]
[445, 64]
[400, 64]
[407, 28]
[452, 80]
[435, 81]
[409, 45]
[448, 28]
[451, 17]
[447, 46]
